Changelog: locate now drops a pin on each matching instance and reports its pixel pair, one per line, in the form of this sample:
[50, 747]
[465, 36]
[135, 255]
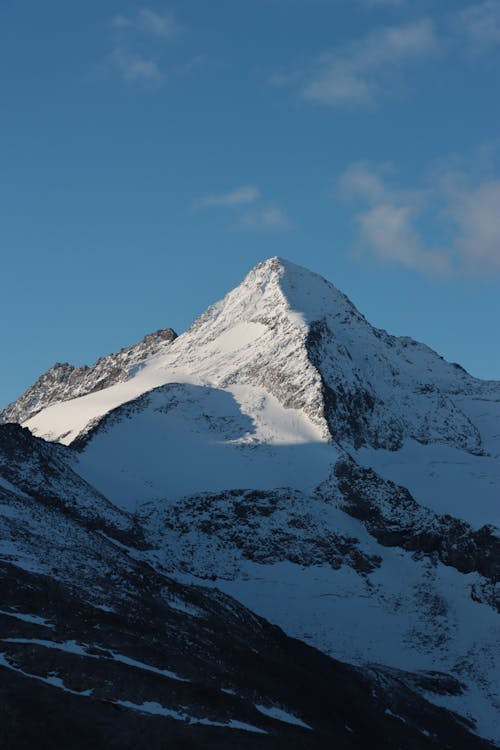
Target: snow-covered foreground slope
[100, 649]
[337, 480]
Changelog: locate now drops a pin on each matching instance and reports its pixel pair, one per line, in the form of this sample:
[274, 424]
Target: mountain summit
[338, 481]
[293, 335]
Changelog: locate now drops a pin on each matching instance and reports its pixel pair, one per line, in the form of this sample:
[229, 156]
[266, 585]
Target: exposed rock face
[264, 527]
[64, 382]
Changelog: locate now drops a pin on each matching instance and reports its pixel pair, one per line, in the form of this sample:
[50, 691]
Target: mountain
[290, 333]
[340, 482]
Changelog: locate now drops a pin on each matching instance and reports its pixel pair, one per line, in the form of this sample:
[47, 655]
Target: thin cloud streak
[149, 21]
[237, 197]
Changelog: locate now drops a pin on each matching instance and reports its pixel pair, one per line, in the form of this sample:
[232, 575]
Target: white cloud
[480, 24]
[389, 218]
[475, 211]
[158, 24]
[388, 229]
[388, 225]
[136, 68]
[237, 197]
[358, 73]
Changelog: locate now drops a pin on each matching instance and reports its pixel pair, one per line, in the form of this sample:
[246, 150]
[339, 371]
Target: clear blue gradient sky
[150, 154]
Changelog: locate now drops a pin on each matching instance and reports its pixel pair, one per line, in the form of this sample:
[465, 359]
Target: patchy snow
[34, 619]
[72, 647]
[185, 607]
[52, 680]
[147, 667]
[275, 712]
[388, 712]
[156, 709]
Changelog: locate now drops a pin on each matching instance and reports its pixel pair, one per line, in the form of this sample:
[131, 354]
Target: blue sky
[150, 154]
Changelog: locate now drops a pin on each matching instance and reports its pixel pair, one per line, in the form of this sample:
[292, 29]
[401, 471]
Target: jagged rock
[64, 382]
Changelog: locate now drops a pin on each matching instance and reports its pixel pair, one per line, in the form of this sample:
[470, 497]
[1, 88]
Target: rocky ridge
[63, 382]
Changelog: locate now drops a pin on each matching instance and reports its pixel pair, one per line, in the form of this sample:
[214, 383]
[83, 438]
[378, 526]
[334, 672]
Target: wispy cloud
[390, 219]
[136, 68]
[149, 21]
[357, 74]
[139, 45]
[388, 3]
[479, 24]
[248, 206]
[237, 197]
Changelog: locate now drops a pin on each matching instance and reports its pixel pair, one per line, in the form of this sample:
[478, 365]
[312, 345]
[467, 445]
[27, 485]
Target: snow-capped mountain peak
[278, 287]
[302, 363]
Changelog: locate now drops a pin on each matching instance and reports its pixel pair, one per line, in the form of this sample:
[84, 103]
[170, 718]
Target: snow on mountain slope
[180, 439]
[443, 478]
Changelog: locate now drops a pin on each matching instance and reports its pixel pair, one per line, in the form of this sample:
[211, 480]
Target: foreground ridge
[98, 646]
